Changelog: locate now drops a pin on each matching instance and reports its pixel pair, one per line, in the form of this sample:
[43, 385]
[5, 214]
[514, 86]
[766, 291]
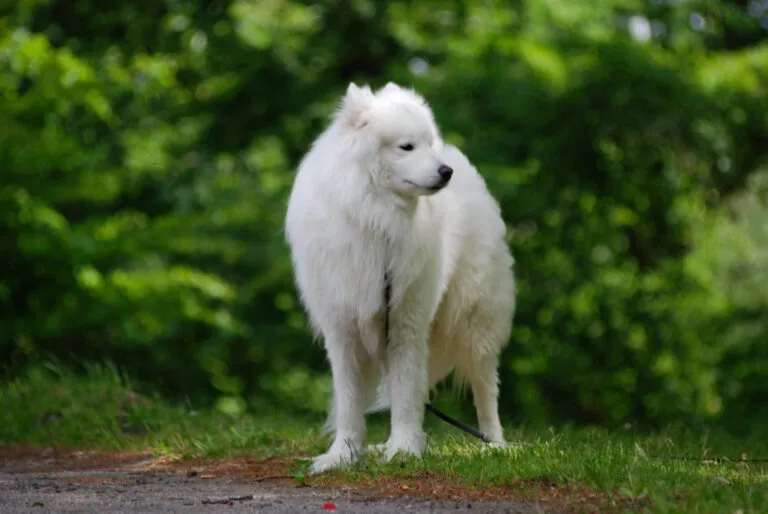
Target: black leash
[451, 421]
[458, 424]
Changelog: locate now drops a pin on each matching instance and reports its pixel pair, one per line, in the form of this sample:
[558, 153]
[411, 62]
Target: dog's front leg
[408, 378]
[348, 366]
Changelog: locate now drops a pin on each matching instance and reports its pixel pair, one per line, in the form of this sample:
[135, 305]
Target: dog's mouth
[432, 188]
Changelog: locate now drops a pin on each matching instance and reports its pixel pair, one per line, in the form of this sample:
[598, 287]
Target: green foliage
[148, 150]
[731, 306]
[98, 409]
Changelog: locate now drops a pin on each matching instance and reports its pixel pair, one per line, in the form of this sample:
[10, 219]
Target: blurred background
[147, 149]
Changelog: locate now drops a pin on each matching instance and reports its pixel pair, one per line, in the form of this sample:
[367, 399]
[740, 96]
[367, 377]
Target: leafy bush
[148, 150]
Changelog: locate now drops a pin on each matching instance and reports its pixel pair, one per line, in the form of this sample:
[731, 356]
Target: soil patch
[121, 469]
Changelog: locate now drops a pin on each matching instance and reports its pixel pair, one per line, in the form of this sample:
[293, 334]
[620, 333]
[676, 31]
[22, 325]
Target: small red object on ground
[329, 506]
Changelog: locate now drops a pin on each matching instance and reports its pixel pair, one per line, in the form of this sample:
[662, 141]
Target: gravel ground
[126, 491]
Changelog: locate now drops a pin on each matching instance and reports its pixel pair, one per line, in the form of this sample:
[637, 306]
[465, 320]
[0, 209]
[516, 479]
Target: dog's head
[395, 133]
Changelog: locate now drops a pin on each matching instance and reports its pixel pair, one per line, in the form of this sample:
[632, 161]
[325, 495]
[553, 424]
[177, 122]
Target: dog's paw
[330, 461]
[408, 444]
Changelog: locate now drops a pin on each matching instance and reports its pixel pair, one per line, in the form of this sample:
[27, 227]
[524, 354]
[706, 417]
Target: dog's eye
[407, 147]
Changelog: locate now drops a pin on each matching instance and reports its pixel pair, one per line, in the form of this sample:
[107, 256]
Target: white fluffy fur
[361, 205]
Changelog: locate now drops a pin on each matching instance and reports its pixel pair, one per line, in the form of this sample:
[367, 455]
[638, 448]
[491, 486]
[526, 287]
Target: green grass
[99, 411]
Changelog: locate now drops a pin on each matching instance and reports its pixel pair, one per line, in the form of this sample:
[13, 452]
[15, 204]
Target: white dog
[380, 195]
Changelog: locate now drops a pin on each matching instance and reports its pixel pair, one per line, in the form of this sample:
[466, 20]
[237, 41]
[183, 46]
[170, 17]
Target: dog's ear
[390, 87]
[355, 104]
[397, 90]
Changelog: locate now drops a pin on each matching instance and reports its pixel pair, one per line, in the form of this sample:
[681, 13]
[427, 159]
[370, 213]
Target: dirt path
[86, 491]
[34, 479]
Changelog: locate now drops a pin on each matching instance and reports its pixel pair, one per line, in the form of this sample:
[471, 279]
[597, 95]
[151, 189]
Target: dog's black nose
[445, 172]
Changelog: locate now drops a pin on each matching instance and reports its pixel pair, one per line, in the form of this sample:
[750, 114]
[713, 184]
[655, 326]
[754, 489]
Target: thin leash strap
[458, 424]
[451, 421]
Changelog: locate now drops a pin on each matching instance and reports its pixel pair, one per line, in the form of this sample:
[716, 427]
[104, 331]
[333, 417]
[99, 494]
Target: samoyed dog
[382, 208]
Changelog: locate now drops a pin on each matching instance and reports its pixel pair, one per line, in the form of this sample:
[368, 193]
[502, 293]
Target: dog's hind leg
[487, 333]
[484, 378]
